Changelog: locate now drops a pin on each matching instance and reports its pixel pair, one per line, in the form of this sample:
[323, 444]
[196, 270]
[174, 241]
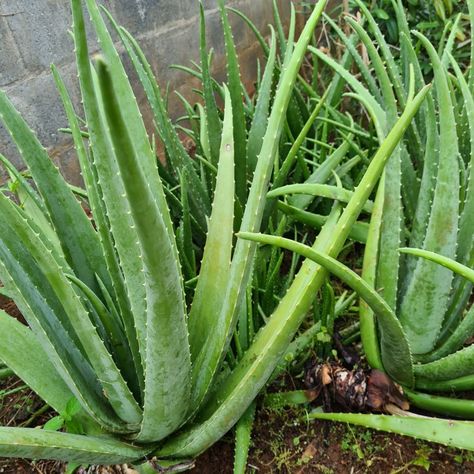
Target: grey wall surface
[34, 34]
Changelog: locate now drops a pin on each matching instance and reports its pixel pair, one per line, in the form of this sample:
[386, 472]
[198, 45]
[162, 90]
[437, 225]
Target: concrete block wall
[34, 34]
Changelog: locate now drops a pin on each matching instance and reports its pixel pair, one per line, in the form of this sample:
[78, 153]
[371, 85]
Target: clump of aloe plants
[159, 321]
[112, 327]
[416, 320]
[109, 324]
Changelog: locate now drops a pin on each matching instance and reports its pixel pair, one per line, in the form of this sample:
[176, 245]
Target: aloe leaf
[214, 126]
[391, 67]
[447, 432]
[75, 231]
[322, 190]
[113, 332]
[455, 340]
[243, 432]
[215, 266]
[87, 173]
[41, 308]
[43, 234]
[296, 121]
[428, 292]
[460, 384]
[204, 133]
[212, 353]
[176, 154]
[368, 328]
[32, 204]
[459, 301]
[446, 406]
[466, 222]
[242, 385]
[165, 397]
[410, 181]
[279, 28]
[235, 90]
[396, 355]
[470, 4]
[448, 46]
[391, 222]
[28, 192]
[359, 88]
[187, 252]
[128, 102]
[410, 58]
[390, 230]
[116, 209]
[458, 364]
[260, 116]
[380, 70]
[44, 444]
[129, 108]
[361, 65]
[110, 378]
[100, 218]
[255, 30]
[21, 352]
[446, 262]
[95, 308]
[430, 164]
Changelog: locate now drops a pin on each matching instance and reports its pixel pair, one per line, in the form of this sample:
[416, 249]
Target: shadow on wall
[35, 34]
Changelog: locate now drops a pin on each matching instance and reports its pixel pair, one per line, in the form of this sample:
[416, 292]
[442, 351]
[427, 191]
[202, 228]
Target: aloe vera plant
[105, 303]
[415, 316]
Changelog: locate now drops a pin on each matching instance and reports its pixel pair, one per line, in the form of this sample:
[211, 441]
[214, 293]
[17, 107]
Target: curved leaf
[395, 351]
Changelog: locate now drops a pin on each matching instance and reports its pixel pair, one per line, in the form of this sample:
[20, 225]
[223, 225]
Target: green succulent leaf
[43, 444]
[447, 432]
[165, 397]
[215, 266]
[428, 291]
